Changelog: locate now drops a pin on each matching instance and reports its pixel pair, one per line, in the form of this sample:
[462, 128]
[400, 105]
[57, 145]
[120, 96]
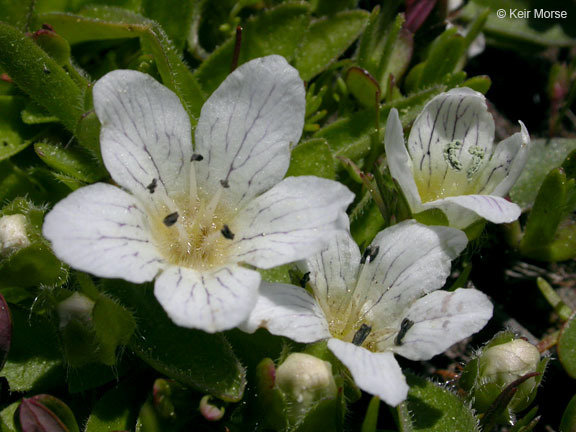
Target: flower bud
[209, 410]
[502, 369]
[304, 381]
[76, 307]
[505, 363]
[13, 233]
[300, 394]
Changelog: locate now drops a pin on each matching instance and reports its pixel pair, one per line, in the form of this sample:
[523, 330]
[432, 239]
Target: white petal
[376, 373]
[102, 230]
[247, 126]
[287, 310]
[333, 272]
[145, 135]
[291, 221]
[450, 142]
[212, 301]
[507, 164]
[441, 319]
[492, 208]
[399, 161]
[413, 259]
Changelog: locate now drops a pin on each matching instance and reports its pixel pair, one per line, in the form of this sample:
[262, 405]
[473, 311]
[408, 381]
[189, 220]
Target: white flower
[451, 163]
[192, 218]
[383, 302]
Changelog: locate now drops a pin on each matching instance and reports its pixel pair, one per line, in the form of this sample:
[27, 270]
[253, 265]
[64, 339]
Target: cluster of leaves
[106, 347]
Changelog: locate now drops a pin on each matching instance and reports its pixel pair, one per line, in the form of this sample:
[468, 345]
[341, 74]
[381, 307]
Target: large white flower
[192, 218]
[451, 162]
[383, 302]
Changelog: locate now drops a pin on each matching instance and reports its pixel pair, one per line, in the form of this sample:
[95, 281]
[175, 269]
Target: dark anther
[305, 279]
[225, 184]
[370, 253]
[227, 233]
[361, 335]
[405, 325]
[171, 219]
[196, 157]
[152, 186]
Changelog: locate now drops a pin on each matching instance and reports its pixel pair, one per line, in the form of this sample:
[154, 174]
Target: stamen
[451, 152]
[361, 334]
[214, 202]
[152, 186]
[225, 184]
[370, 253]
[193, 184]
[196, 157]
[227, 233]
[171, 219]
[405, 325]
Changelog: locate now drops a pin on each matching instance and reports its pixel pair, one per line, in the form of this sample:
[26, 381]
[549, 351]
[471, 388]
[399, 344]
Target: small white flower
[383, 302]
[192, 218]
[451, 162]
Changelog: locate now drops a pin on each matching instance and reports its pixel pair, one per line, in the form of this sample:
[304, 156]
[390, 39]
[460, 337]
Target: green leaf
[366, 221]
[16, 12]
[480, 83]
[33, 114]
[38, 75]
[276, 31]
[72, 161]
[432, 216]
[175, 17]
[113, 326]
[312, 157]
[31, 267]
[568, 423]
[326, 39]
[567, 347]
[104, 23]
[34, 362]
[544, 155]
[546, 215]
[278, 274]
[431, 408]
[118, 408]
[443, 59]
[371, 419]
[363, 86]
[350, 136]
[197, 359]
[14, 135]
[330, 7]
[7, 417]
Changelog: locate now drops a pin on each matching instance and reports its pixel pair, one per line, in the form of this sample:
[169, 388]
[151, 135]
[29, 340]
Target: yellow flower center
[350, 327]
[197, 235]
[456, 175]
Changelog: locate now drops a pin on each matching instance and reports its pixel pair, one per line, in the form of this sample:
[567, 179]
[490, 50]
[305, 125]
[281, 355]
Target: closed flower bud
[304, 381]
[13, 233]
[505, 363]
[76, 307]
[506, 367]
